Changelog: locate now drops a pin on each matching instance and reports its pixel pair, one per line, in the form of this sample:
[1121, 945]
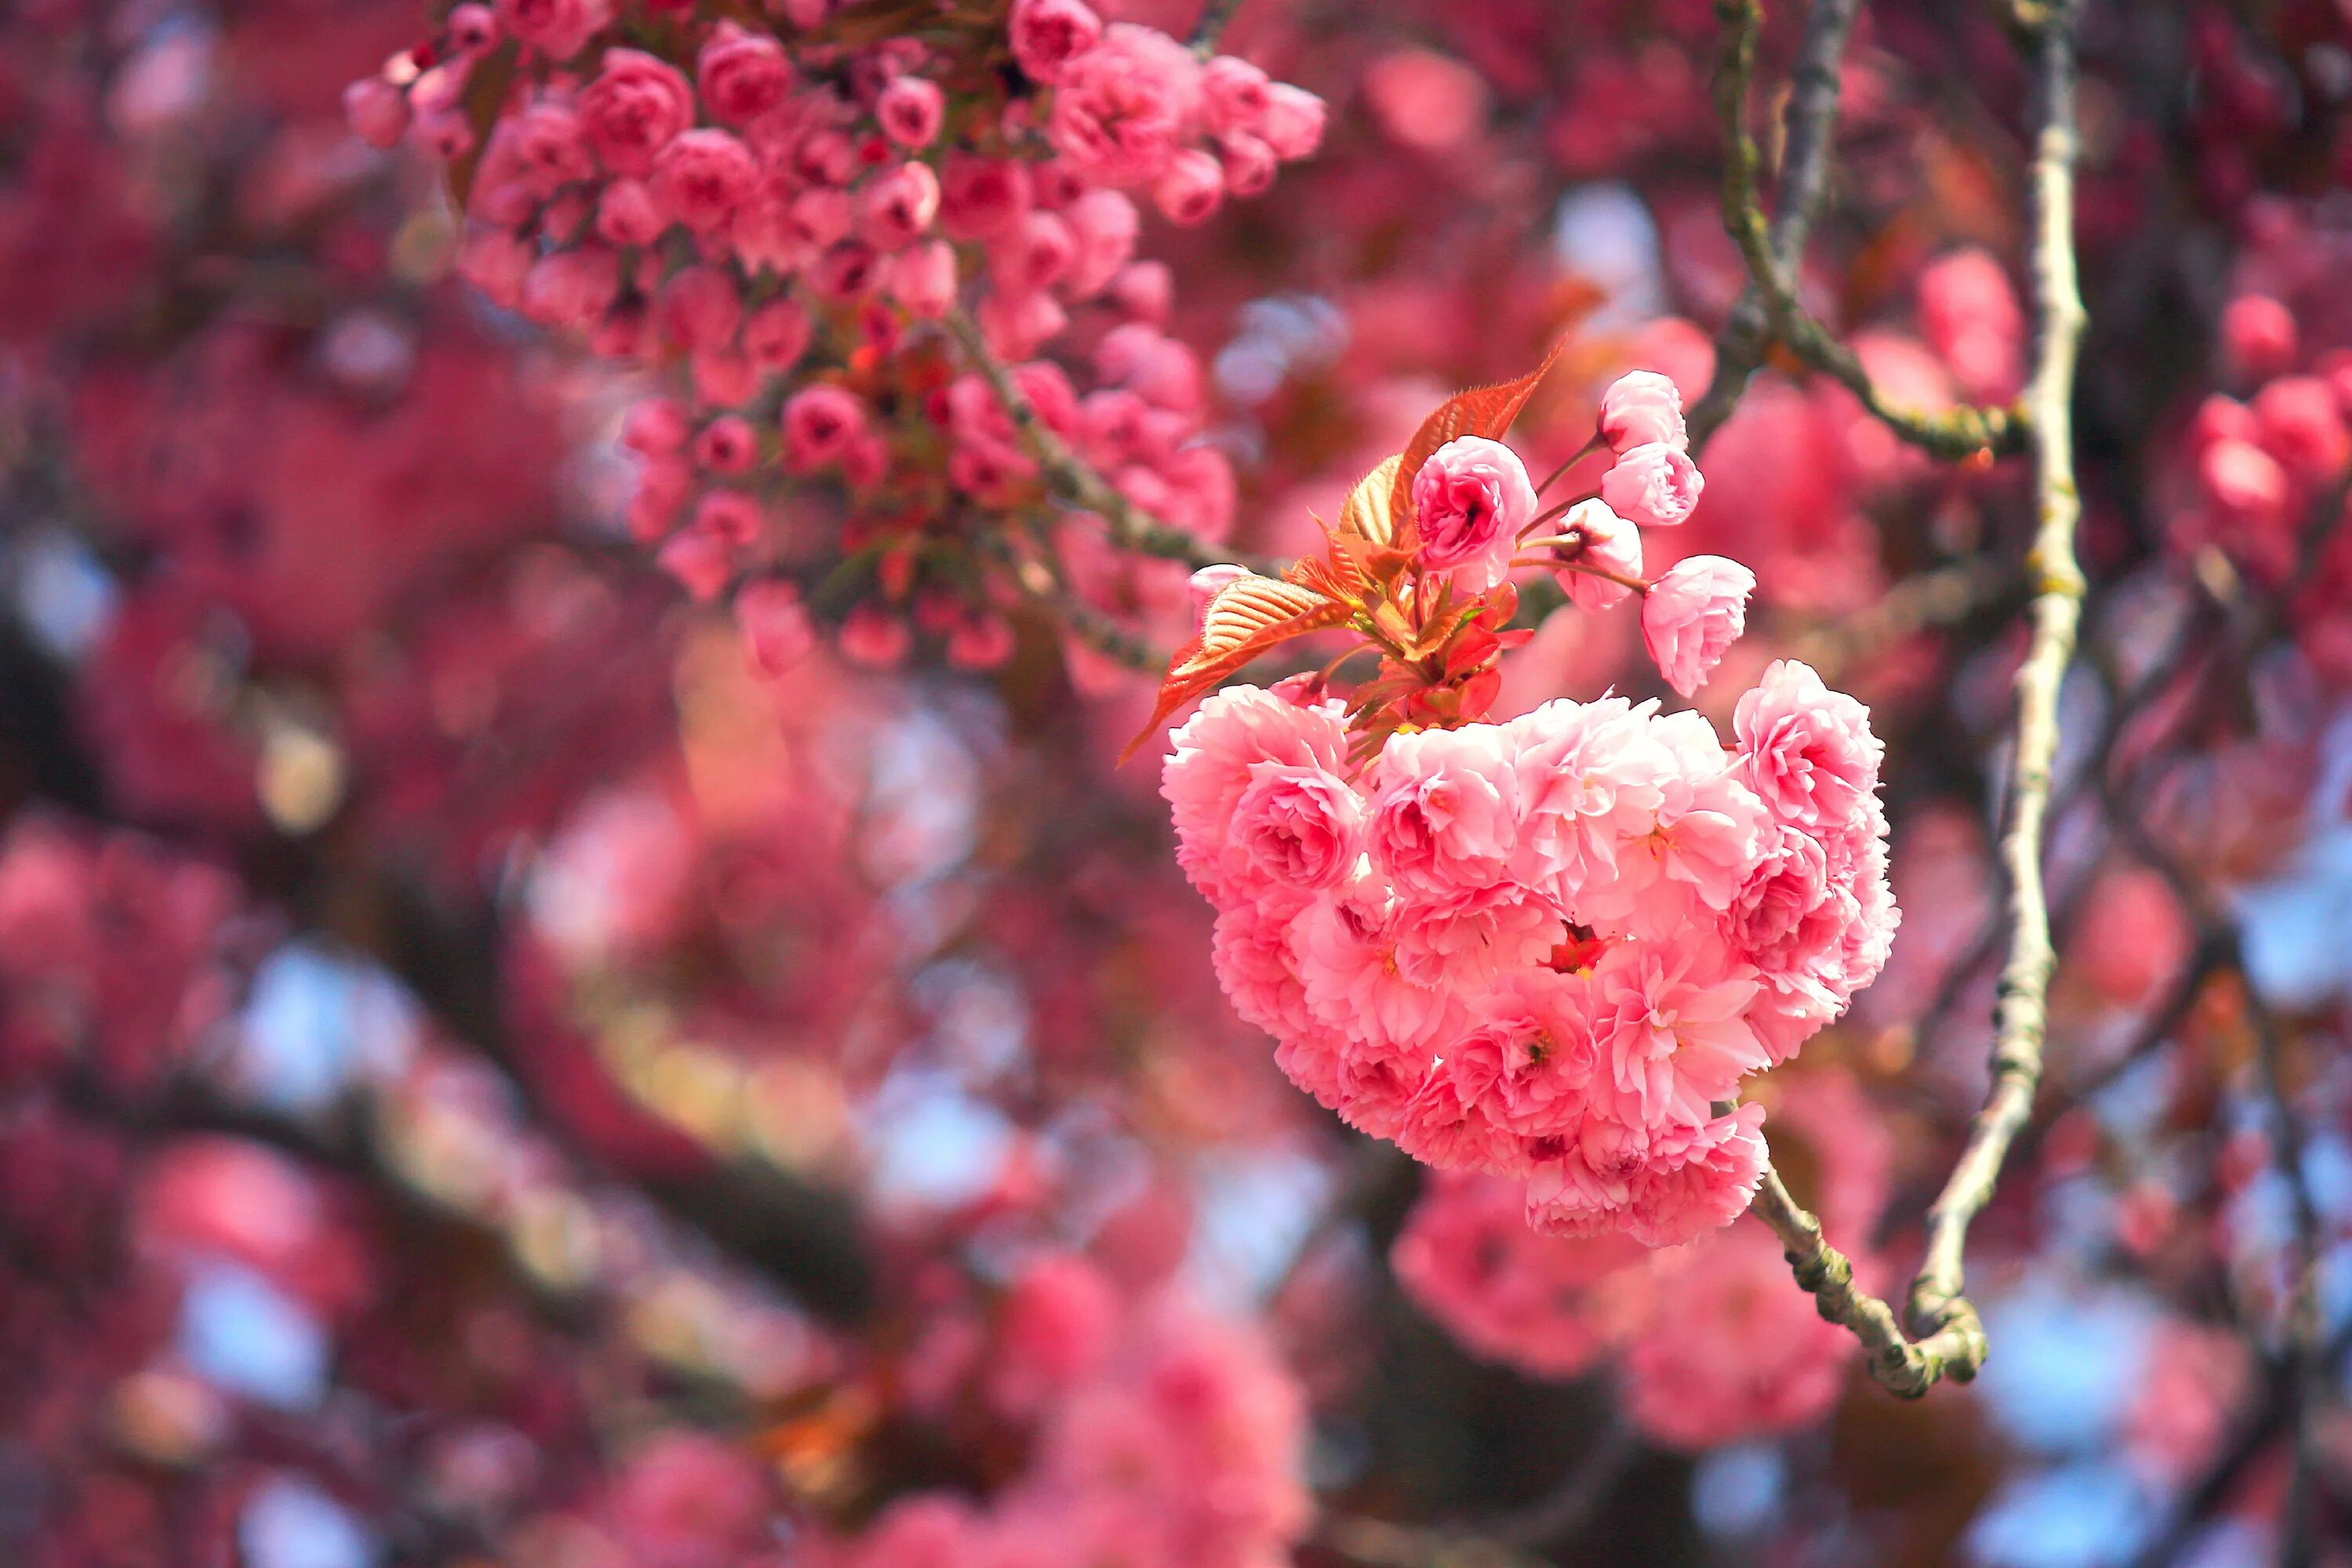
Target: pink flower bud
[727, 445]
[1603, 539]
[820, 422]
[654, 428]
[472, 28]
[845, 272]
[910, 111]
[702, 177]
[729, 516]
[896, 207]
[777, 632]
[923, 278]
[558, 29]
[571, 287]
[742, 75]
[980, 198]
[1104, 224]
[1144, 291]
[1692, 615]
[1654, 486]
[699, 560]
[1032, 255]
[1122, 108]
[1471, 499]
[376, 111]
[2258, 337]
[1641, 407]
[776, 335]
[873, 636]
[1293, 125]
[633, 109]
[1191, 188]
[1234, 96]
[1018, 325]
[699, 307]
[1247, 161]
[1049, 33]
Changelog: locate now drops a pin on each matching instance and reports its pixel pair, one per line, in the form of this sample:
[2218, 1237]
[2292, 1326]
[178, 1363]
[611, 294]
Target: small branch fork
[1768, 310]
[1951, 1343]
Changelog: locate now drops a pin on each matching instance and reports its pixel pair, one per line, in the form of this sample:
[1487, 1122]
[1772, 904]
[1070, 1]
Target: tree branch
[1215, 15]
[1961, 432]
[2023, 1016]
[1952, 1342]
[1810, 133]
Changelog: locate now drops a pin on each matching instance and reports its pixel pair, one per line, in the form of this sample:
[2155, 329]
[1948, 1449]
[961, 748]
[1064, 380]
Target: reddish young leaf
[1481, 411]
[1247, 618]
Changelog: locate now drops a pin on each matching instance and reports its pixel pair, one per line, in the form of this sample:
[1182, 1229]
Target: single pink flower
[820, 422]
[911, 110]
[1806, 751]
[1600, 539]
[701, 177]
[1122, 108]
[1692, 615]
[1471, 498]
[1210, 760]
[1047, 35]
[741, 74]
[1444, 810]
[633, 109]
[1642, 408]
[1653, 485]
[1300, 826]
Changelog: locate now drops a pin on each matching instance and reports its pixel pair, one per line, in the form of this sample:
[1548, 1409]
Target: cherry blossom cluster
[787, 208]
[1159, 1437]
[1707, 1343]
[1547, 949]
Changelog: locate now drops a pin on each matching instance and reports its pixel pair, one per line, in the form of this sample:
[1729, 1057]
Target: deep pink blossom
[1471, 498]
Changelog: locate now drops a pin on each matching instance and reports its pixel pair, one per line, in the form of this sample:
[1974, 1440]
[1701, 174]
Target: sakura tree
[788, 783]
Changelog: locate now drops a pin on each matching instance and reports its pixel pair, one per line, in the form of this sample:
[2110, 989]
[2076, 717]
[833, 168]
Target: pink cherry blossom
[1640, 408]
[1047, 35]
[1653, 485]
[633, 109]
[1692, 615]
[1472, 499]
[1300, 826]
[1210, 761]
[1600, 539]
[1122, 108]
[1670, 1036]
[1807, 752]
[1444, 810]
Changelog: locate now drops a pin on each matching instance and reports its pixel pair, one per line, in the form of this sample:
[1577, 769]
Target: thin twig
[1809, 136]
[1952, 1342]
[2023, 1016]
[1068, 475]
[1215, 15]
[1964, 431]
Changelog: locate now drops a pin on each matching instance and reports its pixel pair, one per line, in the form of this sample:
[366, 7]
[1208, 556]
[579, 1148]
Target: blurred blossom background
[489, 1074]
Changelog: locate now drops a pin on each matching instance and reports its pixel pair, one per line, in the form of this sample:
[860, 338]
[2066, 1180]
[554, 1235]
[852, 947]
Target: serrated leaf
[1370, 512]
[1247, 618]
[1481, 411]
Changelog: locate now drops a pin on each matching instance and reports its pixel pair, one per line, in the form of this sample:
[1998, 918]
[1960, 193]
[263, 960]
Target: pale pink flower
[1047, 35]
[1590, 777]
[1670, 1036]
[1293, 123]
[1692, 615]
[1642, 408]
[1664, 1186]
[1467, 941]
[1471, 498]
[896, 206]
[1210, 759]
[1546, 1306]
[1344, 944]
[559, 28]
[1252, 953]
[1604, 539]
[1445, 809]
[1122, 108]
[1653, 485]
[923, 278]
[1731, 1348]
[1807, 752]
[1234, 96]
[633, 109]
[741, 74]
[1190, 188]
[1300, 826]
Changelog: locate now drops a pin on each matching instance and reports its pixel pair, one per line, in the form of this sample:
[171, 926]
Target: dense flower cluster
[1708, 1344]
[1547, 949]
[785, 210]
